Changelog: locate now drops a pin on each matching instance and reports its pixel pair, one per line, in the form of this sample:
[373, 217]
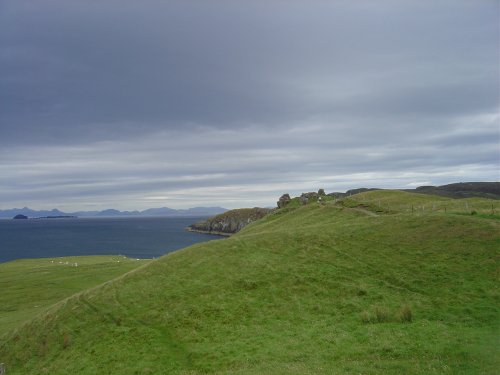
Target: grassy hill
[490, 190]
[396, 201]
[330, 288]
[464, 190]
[29, 286]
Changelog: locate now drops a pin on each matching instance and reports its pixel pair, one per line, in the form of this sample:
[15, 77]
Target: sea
[138, 237]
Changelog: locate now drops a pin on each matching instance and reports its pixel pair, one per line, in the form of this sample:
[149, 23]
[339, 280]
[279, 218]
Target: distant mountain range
[163, 211]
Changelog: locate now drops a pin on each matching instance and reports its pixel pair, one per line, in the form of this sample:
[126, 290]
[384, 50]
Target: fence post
[2, 369]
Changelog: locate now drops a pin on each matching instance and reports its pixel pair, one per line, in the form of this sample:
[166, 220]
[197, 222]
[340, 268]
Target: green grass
[319, 289]
[29, 286]
[395, 201]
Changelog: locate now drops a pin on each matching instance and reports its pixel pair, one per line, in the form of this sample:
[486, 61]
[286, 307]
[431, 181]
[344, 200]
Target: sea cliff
[229, 222]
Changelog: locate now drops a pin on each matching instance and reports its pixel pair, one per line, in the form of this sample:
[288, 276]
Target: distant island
[58, 217]
[23, 217]
[150, 212]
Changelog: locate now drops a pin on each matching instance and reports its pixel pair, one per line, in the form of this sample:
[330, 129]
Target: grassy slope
[387, 201]
[29, 286]
[287, 296]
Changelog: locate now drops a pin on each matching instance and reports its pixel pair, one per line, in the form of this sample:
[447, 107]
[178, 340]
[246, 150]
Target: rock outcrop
[229, 222]
[305, 198]
[20, 217]
[284, 200]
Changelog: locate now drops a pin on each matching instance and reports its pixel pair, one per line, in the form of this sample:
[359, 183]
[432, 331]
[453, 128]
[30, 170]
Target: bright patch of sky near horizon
[133, 105]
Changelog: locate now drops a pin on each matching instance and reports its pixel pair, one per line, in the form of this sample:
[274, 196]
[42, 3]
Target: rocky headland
[229, 222]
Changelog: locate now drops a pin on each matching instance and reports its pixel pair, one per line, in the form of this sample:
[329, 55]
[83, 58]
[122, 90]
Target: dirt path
[366, 212]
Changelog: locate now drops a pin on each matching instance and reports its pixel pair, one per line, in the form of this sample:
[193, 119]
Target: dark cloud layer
[136, 104]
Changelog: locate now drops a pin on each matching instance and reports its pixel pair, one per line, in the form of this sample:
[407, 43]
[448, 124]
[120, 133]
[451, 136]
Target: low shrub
[366, 317]
[66, 340]
[405, 315]
[382, 315]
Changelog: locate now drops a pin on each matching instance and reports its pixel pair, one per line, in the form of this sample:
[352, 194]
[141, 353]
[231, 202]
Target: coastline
[189, 229]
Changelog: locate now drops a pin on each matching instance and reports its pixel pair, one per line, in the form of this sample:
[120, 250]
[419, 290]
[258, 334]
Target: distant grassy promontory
[363, 284]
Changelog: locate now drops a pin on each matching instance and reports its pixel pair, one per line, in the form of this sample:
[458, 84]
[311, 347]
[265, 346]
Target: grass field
[387, 201]
[320, 289]
[29, 286]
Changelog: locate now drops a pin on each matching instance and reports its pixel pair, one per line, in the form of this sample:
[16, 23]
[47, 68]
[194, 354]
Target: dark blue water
[132, 237]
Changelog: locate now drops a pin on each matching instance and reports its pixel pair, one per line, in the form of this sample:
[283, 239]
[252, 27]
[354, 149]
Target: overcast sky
[136, 104]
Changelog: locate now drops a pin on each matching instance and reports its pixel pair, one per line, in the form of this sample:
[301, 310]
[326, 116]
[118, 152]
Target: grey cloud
[152, 167]
[102, 100]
